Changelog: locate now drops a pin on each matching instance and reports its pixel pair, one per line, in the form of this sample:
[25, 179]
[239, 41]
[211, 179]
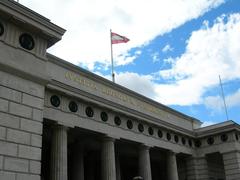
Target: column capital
[144, 147]
[108, 138]
[59, 126]
[171, 152]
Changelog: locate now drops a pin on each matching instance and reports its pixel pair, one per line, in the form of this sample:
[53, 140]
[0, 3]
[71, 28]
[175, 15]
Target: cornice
[24, 16]
[217, 128]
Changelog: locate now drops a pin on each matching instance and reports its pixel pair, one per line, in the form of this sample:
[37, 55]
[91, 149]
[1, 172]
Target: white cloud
[207, 123]
[216, 102]
[210, 51]
[139, 83]
[167, 48]
[87, 39]
[155, 57]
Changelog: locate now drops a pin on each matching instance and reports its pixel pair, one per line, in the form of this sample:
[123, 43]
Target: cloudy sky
[176, 52]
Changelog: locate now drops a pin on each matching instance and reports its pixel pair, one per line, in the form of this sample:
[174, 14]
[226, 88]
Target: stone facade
[61, 122]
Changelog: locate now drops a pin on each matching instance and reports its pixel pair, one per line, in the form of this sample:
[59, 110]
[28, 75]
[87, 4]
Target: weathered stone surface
[9, 120]
[15, 164]
[37, 115]
[10, 94]
[27, 177]
[36, 140]
[31, 126]
[18, 136]
[20, 110]
[32, 101]
[35, 167]
[20, 84]
[7, 175]
[1, 162]
[29, 152]
[2, 132]
[3, 105]
[7, 148]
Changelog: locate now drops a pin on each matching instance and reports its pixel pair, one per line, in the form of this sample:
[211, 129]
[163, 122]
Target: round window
[73, 107]
[55, 100]
[236, 135]
[26, 41]
[117, 120]
[140, 128]
[190, 142]
[224, 137]
[183, 141]
[150, 131]
[104, 116]
[1, 29]
[210, 140]
[197, 143]
[176, 138]
[160, 134]
[169, 136]
[129, 124]
[89, 112]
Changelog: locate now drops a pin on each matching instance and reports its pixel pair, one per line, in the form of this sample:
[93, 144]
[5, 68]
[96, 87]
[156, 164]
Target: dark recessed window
[89, 112]
[1, 29]
[183, 141]
[26, 41]
[210, 140]
[169, 136]
[104, 116]
[236, 135]
[190, 142]
[224, 137]
[140, 127]
[73, 107]
[129, 124]
[197, 143]
[55, 100]
[117, 120]
[176, 138]
[150, 131]
[160, 134]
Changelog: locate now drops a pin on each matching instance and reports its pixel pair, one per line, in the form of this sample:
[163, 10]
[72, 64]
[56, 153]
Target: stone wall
[21, 116]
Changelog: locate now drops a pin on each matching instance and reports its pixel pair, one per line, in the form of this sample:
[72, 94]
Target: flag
[116, 38]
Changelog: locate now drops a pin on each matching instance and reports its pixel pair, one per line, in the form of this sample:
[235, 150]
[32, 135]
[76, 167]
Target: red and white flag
[116, 38]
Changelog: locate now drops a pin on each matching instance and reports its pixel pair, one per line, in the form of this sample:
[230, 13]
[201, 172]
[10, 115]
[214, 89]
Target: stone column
[78, 163]
[172, 170]
[59, 153]
[197, 168]
[108, 159]
[231, 162]
[144, 163]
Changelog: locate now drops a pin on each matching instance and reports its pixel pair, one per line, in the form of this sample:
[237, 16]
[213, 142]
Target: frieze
[106, 91]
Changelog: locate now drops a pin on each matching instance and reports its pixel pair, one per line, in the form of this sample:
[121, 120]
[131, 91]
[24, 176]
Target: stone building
[61, 122]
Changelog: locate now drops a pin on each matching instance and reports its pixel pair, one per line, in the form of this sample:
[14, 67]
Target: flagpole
[113, 75]
[224, 102]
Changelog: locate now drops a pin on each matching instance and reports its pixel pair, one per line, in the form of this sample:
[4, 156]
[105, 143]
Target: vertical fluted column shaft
[108, 159]
[172, 166]
[145, 163]
[59, 153]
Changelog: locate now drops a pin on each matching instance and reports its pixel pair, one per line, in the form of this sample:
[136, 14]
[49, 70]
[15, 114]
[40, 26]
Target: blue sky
[176, 52]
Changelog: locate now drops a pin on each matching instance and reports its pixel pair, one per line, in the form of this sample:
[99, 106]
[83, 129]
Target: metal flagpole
[113, 75]
[224, 102]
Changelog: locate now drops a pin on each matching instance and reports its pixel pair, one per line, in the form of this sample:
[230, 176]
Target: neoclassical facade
[61, 122]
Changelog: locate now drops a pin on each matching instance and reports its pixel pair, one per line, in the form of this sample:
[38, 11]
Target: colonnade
[109, 163]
